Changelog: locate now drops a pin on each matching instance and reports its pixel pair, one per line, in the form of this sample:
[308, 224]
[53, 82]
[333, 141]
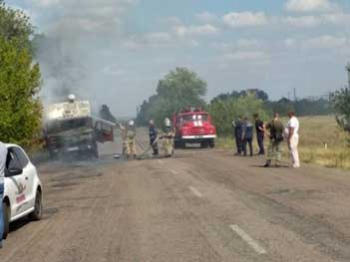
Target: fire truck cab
[194, 126]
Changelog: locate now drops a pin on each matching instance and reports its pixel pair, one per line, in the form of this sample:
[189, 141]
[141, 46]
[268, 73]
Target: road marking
[173, 171]
[195, 191]
[250, 241]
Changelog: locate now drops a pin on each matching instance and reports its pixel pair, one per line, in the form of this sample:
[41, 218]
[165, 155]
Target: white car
[23, 191]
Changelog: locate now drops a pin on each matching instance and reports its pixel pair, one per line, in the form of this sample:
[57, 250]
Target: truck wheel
[94, 150]
[212, 143]
[38, 207]
[6, 216]
[178, 144]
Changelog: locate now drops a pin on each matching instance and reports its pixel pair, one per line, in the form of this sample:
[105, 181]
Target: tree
[20, 110]
[15, 24]
[106, 114]
[225, 111]
[20, 107]
[341, 104]
[179, 89]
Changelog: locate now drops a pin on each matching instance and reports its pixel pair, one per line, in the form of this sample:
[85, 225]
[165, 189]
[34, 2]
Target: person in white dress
[292, 135]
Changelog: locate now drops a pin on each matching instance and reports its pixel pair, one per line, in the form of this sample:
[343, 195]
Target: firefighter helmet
[167, 122]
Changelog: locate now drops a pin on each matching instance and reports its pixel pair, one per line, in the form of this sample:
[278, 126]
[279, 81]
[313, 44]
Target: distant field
[321, 142]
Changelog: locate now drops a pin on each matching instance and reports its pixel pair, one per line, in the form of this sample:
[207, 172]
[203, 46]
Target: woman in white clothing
[292, 134]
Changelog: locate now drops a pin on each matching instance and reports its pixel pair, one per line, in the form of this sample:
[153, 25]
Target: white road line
[250, 241]
[173, 171]
[195, 191]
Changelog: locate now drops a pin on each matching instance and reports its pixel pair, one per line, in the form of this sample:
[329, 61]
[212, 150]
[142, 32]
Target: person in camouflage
[276, 129]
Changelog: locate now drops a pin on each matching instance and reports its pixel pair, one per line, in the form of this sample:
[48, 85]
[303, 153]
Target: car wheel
[38, 207]
[6, 216]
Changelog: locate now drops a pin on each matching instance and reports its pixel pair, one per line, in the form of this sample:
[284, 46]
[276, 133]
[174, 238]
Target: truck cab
[194, 126]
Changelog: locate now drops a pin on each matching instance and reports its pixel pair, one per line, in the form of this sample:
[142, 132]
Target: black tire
[212, 143]
[95, 150]
[38, 207]
[6, 215]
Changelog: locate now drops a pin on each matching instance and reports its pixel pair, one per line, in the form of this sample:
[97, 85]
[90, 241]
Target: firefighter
[168, 139]
[153, 137]
[129, 135]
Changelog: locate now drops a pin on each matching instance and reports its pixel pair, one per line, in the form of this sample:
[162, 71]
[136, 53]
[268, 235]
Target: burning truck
[70, 128]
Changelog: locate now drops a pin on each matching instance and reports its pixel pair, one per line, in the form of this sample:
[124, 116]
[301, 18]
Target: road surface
[201, 205]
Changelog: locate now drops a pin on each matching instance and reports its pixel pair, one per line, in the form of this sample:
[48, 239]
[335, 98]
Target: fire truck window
[201, 117]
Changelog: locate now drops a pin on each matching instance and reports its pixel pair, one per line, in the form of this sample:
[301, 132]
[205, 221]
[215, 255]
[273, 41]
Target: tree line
[182, 88]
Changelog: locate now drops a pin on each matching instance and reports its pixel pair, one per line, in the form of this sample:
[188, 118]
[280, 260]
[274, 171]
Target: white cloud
[290, 42]
[192, 30]
[310, 5]
[326, 41]
[303, 21]
[245, 19]
[206, 17]
[246, 56]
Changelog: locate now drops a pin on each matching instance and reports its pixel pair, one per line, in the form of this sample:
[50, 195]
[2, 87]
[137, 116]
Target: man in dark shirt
[260, 134]
[238, 132]
[153, 134]
[247, 135]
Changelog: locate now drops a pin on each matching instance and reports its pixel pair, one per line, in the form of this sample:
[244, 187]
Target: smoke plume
[70, 47]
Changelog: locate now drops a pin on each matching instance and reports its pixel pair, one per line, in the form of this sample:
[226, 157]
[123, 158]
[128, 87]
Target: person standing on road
[238, 136]
[276, 130]
[3, 156]
[168, 139]
[130, 136]
[153, 136]
[293, 139]
[247, 136]
[260, 134]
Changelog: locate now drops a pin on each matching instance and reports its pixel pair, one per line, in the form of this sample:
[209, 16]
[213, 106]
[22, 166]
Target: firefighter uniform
[129, 135]
[168, 139]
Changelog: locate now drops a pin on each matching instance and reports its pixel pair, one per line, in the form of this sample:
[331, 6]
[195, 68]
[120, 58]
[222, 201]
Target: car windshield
[65, 125]
[196, 117]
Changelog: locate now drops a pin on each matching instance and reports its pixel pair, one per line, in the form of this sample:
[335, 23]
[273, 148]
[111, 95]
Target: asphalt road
[201, 205]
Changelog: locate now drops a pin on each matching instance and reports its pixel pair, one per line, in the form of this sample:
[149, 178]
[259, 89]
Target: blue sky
[126, 46]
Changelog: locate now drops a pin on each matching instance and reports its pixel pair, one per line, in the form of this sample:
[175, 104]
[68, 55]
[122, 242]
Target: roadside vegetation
[20, 79]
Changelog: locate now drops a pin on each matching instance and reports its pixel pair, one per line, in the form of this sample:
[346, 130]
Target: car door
[17, 185]
[29, 172]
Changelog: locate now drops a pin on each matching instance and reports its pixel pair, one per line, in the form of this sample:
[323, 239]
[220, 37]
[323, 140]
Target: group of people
[128, 134]
[275, 131]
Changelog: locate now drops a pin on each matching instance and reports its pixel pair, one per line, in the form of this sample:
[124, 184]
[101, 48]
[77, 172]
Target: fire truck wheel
[204, 144]
[212, 143]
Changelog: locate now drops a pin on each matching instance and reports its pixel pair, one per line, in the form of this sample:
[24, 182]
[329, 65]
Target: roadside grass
[321, 142]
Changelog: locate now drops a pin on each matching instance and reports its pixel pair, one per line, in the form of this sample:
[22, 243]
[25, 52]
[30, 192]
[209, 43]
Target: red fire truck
[194, 126]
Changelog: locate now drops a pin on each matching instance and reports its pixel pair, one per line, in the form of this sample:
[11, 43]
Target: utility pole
[348, 69]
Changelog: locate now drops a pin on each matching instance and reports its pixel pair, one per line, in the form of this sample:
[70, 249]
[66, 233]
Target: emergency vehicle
[194, 126]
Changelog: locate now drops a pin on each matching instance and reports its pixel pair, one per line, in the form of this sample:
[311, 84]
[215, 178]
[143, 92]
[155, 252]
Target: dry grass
[321, 142]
